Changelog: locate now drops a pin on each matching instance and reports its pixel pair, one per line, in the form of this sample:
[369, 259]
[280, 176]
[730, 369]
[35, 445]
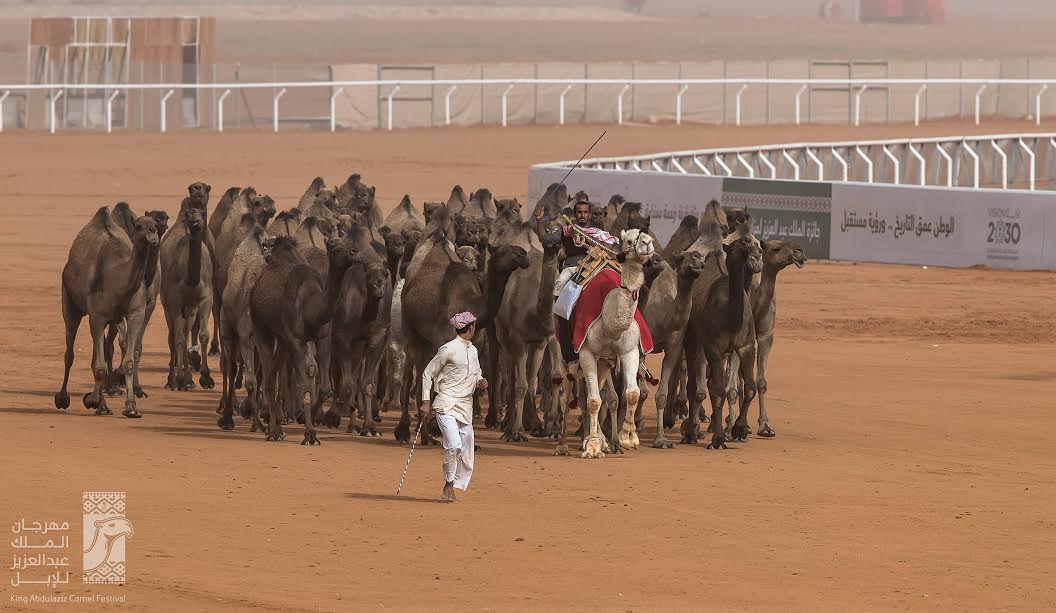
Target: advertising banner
[795, 211]
[944, 227]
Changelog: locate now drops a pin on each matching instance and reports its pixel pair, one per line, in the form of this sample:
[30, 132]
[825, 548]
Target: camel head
[341, 254]
[471, 231]
[161, 221]
[199, 192]
[509, 209]
[597, 216]
[395, 242]
[551, 243]
[689, 264]
[412, 236]
[362, 199]
[581, 196]
[735, 218]
[507, 258]
[327, 198]
[145, 232]
[469, 256]
[378, 281]
[263, 209]
[280, 247]
[113, 528]
[744, 250]
[636, 245]
[652, 268]
[778, 254]
[326, 226]
[193, 219]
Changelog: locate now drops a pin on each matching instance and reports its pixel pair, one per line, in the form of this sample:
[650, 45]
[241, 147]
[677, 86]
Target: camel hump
[317, 184]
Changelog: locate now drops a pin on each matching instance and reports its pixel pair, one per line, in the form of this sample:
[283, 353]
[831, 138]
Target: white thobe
[454, 372]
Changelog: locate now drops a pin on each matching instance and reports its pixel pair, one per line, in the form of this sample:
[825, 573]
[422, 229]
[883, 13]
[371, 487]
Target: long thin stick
[574, 166]
[409, 456]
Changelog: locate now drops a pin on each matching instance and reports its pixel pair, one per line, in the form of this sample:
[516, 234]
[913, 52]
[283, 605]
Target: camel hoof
[206, 382]
[561, 449]
[740, 433]
[138, 391]
[629, 441]
[377, 419]
[90, 400]
[490, 421]
[369, 431]
[62, 401]
[245, 410]
[331, 419]
[131, 412]
[111, 390]
[767, 432]
[195, 359]
[593, 448]
[539, 432]
[663, 443]
[718, 441]
[214, 347]
[103, 410]
[310, 439]
[226, 423]
[275, 436]
[515, 437]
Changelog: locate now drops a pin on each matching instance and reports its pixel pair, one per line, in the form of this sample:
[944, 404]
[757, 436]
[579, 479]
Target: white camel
[614, 336]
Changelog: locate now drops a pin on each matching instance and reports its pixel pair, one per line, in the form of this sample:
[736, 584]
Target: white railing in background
[682, 86]
[999, 161]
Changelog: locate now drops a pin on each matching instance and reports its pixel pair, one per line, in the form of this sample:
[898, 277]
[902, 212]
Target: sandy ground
[912, 468]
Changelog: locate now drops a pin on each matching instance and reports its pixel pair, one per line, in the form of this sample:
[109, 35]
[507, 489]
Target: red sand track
[913, 467]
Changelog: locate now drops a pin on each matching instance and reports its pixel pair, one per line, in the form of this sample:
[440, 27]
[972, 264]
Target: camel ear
[385, 231]
[208, 188]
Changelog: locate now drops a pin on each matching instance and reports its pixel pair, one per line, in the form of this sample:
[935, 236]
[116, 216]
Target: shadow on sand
[391, 498]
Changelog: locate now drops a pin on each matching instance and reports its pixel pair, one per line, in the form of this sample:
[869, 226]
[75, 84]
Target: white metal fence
[388, 90]
[1005, 161]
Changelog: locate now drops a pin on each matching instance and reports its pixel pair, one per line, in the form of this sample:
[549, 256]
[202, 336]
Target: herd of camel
[330, 310]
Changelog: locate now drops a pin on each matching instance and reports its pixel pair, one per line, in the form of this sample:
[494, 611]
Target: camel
[187, 296]
[289, 306]
[285, 223]
[308, 197]
[355, 196]
[630, 218]
[524, 324]
[236, 327]
[615, 336]
[612, 211]
[198, 197]
[685, 235]
[395, 247]
[404, 216]
[777, 255]
[598, 216]
[481, 204]
[105, 278]
[324, 207]
[363, 299]
[666, 312]
[457, 201]
[126, 218]
[220, 211]
[554, 200]
[470, 257]
[472, 232]
[721, 322]
[428, 208]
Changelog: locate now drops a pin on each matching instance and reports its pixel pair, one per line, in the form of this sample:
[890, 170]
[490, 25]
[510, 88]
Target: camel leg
[170, 325]
[717, 388]
[184, 375]
[733, 368]
[497, 383]
[402, 432]
[248, 352]
[227, 396]
[305, 368]
[214, 349]
[324, 353]
[112, 375]
[202, 323]
[72, 320]
[765, 344]
[555, 412]
[369, 378]
[266, 351]
[514, 426]
[632, 394]
[532, 423]
[593, 442]
[695, 382]
[137, 389]
[740, 429]
[611, 403]
[672, 359]
[134, 321]
[96, 399]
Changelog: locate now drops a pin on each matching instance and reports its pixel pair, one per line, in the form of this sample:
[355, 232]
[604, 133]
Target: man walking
[455, 374]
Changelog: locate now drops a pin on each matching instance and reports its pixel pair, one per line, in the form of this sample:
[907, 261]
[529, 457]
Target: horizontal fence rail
[1003, 161]
[388, 88]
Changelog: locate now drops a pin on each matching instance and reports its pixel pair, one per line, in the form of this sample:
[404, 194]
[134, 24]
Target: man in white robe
[455, 374]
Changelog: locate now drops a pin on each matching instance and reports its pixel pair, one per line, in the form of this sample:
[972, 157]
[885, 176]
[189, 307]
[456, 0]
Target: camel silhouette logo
[105, 529]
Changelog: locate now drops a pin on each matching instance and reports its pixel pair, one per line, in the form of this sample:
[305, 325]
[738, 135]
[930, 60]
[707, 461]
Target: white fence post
[737, 114]
[275, 109]
[916, 104]
[978, 102]
[220, 110]
[949, 163]
[843, 162]
[2, 98]
[561, 105]
[447, 105]
[868, 162]
[391, 94]
[1004, 163]
[164, 101]
[792, 161]
[678, 104]
[922, 161]
[761, 155]
[747, 166]
[505, 93]
[799, 95]
[858, 106]
[333, 108]
[816, 160]
[619, 104]
[1037, 103]
[975, 162]
[109, 111]
[1030, 155]
[51, 107]
[897, 164]
[722, 164]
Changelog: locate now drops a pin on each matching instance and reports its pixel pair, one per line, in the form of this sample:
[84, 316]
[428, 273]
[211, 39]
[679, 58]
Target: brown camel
[395, 247]
[721, 322]
[470, 257]
[457, 201]
[105, 278]
[428, 208]
[186, 295]
[223, 207]
[126, 218]
[554, 200]
[666, 312]
[236, 328]
[405, 217]
[685, 235]
[198, 197]
[308, 197]
[355, 196]
[285, 223]
[235, 229]
[777, 255]
[472, 232]
[289, 306]
[481, 204]
[612, 211]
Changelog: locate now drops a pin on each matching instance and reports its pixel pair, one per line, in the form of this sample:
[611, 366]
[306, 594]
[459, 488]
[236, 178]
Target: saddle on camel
[581, 300]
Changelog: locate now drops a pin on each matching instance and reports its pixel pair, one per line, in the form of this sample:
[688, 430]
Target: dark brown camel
[395, 248]
[186, 295]
[105, 278]
[308, 197]
[685, 235]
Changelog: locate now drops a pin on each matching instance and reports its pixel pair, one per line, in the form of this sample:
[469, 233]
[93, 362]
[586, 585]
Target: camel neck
[194, 257]
[617, 313]
[496, 287]
[683, 294]
[544, 306]
[141, 253]
[764, 294]
[737, 266]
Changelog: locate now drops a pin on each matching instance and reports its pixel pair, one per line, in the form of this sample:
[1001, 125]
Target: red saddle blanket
[588, 309]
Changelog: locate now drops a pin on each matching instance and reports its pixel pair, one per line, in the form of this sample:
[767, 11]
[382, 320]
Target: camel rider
[574, 254]
[455, 373]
